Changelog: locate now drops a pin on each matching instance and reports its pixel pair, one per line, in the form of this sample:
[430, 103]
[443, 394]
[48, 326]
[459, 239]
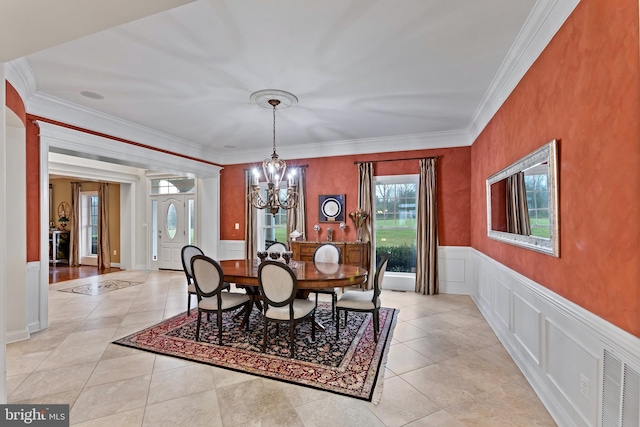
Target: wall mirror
[522, 202]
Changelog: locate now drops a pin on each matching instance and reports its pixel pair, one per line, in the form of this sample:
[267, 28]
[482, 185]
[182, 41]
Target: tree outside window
[395, 221]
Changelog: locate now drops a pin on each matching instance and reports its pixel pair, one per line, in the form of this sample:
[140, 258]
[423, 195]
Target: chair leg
[264, 338]
[198, 326]
[316, 300]
[219, 327]
[313, 326]
[376, 325]
[337, 325]
[292, 331]
[188, 304]
[334, 300]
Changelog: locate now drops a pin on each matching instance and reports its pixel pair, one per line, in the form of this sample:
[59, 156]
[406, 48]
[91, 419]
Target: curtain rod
[396, 160]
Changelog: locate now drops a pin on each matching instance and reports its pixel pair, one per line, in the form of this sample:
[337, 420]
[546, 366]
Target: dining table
[310, 275]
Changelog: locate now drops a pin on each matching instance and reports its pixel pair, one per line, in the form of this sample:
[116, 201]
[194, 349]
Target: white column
[208, 211]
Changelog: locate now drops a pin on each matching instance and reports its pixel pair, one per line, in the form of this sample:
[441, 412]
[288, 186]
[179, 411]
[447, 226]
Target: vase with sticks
[359, 218]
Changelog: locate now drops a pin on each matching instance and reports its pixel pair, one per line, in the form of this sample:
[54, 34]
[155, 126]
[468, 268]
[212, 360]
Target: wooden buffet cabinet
[353, 253]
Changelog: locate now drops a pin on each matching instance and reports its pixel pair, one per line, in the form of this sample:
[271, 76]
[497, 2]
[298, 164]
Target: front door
[172, 230]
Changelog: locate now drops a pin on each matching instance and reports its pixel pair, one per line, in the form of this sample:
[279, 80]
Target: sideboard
[353, 253]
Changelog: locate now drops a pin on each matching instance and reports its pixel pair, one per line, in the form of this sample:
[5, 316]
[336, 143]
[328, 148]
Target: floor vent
[620, 393]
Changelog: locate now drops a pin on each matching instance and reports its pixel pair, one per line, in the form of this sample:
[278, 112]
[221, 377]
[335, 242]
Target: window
[395, 202]
[89, 224]
[173, 185]
[536, 182]
[271, 228]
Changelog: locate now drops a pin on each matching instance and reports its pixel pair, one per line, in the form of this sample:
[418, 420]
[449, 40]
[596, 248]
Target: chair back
[188, 252]
[207, 276]
[379, 277]
[329, 253]
[277, 247]
[278, 283]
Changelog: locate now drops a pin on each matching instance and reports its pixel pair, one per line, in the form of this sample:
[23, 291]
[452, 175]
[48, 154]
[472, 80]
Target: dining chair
[277, 247]
[278, 285]
[208, 280]
[330, 254]
[188, 252]
[368, 302]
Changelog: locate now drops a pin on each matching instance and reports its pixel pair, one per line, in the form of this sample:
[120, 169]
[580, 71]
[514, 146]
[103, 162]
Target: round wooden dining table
[310, 275]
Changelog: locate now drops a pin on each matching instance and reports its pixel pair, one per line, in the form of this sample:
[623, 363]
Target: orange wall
[33, 191]
[339, 175]
[583, 90]
[14, 102]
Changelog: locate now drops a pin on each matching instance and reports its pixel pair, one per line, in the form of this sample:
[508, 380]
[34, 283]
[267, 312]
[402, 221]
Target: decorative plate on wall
[331, 208]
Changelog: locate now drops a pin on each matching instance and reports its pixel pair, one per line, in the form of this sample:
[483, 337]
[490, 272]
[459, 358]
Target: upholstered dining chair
[277, 247]
[368, 301]
[188, 252]
[208, 280]
[278, 285]
[330, 254]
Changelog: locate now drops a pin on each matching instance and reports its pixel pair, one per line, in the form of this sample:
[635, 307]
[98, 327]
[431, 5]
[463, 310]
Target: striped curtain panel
[250, 244]
[427, 230]
[517, 208]
[297, 217]
[74, 226]
[104, 248]
[365, 202]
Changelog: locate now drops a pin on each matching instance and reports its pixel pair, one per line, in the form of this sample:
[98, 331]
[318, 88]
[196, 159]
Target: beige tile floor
[445, 368]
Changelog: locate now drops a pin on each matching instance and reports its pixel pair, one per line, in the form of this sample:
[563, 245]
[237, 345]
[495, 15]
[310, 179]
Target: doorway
[173, 226]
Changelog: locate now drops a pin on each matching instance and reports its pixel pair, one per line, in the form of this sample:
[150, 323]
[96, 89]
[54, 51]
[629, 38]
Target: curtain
[297, 217]
[74, 226]
[365, 202]
[517, 207]
[250, 244]
[427, 230]
[104, 249]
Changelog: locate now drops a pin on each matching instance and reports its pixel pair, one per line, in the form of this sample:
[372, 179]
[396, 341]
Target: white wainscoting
[558, 345]
[231, 249]
[33, 296]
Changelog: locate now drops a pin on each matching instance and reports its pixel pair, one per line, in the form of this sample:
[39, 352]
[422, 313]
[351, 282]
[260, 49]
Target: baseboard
[16, 336]
[558, 345]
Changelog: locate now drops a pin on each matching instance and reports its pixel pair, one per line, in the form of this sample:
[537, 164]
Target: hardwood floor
[61, 273]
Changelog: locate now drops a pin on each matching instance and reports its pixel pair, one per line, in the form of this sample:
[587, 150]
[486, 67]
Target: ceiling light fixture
[273, 167]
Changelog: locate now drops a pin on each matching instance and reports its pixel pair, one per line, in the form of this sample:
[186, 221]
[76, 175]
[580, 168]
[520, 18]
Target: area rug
[100, 287]
[352, 366]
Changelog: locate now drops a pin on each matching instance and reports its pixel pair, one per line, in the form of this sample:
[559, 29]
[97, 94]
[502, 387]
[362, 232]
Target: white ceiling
[367, 73]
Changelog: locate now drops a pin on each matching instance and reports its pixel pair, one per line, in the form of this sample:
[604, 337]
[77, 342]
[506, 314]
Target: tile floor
[445, 368]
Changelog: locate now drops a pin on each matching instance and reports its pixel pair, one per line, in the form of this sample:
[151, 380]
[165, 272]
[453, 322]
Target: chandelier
[273, 168]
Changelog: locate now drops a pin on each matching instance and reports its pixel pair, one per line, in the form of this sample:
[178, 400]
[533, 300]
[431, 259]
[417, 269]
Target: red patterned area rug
[352, 366]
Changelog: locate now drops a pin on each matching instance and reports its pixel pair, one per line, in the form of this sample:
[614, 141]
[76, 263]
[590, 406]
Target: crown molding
[357, 146]
[63, 140]
[544, 21]
[51, 107]
[21, 76]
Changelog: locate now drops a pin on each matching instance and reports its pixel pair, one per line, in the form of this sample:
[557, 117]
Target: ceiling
[367, 74]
